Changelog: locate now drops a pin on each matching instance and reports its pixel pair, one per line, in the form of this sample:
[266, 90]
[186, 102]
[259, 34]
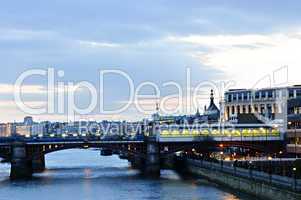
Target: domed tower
[156, 115]
[197, 114]
[212, 111]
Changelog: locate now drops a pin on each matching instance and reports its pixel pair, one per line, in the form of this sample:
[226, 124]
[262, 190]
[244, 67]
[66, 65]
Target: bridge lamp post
[193, 152]
[221, 152]
[295, 177]
[280, 155]
[270, 167]
[295, 139]
[222, 160]
[250, 168]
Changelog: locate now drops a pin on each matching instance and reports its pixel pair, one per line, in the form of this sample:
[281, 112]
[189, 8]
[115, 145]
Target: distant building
[210, 115]
[212, 112]
[23, 130]
[28, 120]
[7, 129]
[37, 129]
[3, 130]
[34, 129]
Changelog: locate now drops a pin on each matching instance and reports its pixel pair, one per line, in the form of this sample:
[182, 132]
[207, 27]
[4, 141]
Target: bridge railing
[286, 182]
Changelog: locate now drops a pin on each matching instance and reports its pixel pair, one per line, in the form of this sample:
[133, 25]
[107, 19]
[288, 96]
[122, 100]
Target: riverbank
[243, 180]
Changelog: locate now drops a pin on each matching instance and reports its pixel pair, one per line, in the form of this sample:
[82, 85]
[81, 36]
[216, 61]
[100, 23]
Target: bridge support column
[137, 162]
[38, 163]
[20, 164]
[152, 163]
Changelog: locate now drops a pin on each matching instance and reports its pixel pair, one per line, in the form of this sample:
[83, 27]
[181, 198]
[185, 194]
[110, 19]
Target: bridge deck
[217, 139]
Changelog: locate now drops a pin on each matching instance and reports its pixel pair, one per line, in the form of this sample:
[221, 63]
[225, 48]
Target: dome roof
[212, 110]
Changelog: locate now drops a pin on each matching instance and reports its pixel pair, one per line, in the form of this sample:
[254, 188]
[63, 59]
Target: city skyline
[126, 99]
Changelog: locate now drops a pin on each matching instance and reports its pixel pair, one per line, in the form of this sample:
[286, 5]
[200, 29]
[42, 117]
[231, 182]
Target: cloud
[25, 89]
[25, 34]
[94, 44]
[223, 41]
[35, 89]
[247, 58]
[12, 104]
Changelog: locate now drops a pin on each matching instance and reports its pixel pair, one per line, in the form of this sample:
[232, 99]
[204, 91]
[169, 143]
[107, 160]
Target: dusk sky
[240, 41]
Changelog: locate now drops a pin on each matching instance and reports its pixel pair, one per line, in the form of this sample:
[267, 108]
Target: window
[291, 93]
[245, 96]
[297, 110]
[238, 109]
[255, 108]
[263, 95]
[298, 92]
[262, 108]
[269, 108]
[229, 99]
[234, 97]
[243, 109]
[256, 95]
[270, 93]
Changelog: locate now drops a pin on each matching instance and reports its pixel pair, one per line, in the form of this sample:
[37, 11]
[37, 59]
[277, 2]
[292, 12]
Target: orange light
[221, 145]
[227, 159]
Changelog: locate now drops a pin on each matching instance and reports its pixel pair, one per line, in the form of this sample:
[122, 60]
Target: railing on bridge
[292, 183]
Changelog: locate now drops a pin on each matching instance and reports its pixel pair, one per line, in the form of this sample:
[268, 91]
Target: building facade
[23, 130]
[294, 126]
[282, 104]
[267, 103]
[7, 129]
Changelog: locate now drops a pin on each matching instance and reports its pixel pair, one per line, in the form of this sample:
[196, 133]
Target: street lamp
[295, 177]
[222, 153]
[280, 155]
[270, 168]
[295, 139]
[250, 168]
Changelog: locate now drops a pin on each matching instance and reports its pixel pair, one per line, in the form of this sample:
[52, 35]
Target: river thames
[84, 175]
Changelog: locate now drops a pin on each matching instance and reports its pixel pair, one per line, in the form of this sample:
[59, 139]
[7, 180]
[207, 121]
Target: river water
[84, 175]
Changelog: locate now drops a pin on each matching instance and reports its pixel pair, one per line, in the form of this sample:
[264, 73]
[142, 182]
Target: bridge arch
[50, 148]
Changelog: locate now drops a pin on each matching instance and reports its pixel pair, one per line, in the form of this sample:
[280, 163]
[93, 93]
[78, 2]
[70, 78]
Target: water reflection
[83, 174]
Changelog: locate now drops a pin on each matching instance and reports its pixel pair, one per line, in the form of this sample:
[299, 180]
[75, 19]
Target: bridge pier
[21, 166]
[137, 162]
[152, 162]
[38, 163]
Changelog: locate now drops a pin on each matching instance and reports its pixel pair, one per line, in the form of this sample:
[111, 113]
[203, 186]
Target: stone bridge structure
[27, 155]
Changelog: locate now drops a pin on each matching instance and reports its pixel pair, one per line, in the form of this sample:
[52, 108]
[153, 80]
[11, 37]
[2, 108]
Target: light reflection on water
[83, 174]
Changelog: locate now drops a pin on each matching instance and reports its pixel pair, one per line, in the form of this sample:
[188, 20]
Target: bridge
[27, 155]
